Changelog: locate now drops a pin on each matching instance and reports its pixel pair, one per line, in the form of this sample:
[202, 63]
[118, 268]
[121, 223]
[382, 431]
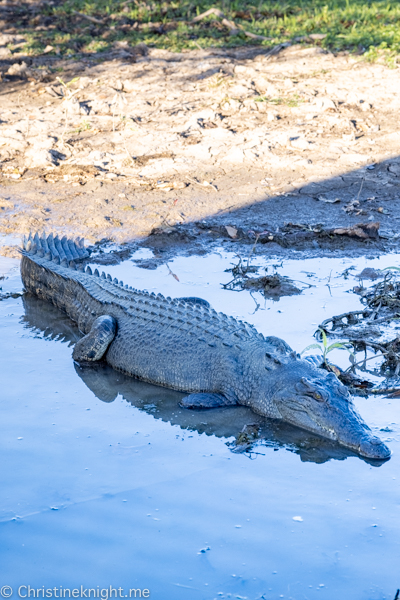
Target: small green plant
[291, 101]
[67, 85]
[83, 126]
[325, 349]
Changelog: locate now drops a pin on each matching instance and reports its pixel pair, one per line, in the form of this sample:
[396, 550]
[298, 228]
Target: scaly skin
[188, 346]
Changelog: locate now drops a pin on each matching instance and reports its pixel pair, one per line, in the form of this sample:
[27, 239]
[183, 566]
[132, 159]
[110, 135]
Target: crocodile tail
[53, 248]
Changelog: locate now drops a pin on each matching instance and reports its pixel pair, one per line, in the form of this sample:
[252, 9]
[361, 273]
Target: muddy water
[106, 482]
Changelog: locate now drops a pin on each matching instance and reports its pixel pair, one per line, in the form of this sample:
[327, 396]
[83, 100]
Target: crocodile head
[311, 398]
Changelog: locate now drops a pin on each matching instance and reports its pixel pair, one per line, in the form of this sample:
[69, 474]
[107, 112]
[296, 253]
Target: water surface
[106, 481]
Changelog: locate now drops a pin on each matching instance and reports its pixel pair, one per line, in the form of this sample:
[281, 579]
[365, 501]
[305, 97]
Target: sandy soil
[233, 143]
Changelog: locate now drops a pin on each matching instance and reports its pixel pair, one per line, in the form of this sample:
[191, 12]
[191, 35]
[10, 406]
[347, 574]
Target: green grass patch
[291, 101]
[366, 27]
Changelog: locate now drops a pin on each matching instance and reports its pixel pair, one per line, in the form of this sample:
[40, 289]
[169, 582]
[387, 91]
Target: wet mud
[299, 148]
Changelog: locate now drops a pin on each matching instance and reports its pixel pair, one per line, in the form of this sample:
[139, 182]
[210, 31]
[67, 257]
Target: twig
[254, 36]
[252, 250]
[232, 26]
[92, 19]
[210, 11]
[364, 360]
[373, 345]
[384, 391]
[385, 319]
[65, 127]
[171, 273]
[256, 303]
[338, 318]
[376, 311]
[309, 285]
[205, 184]
[361, 186]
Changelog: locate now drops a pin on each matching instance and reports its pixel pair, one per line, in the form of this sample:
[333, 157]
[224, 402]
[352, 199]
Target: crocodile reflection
[162, 403]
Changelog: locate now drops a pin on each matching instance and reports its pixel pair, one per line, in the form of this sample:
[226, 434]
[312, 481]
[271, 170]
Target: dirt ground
[293, 147]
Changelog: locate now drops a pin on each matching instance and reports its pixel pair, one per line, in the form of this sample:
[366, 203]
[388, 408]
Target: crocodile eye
[317, 396]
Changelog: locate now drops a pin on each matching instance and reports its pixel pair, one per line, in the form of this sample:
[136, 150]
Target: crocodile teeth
[96, 273]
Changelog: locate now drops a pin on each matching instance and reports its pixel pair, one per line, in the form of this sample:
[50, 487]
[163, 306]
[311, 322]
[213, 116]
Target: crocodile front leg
[94, 345]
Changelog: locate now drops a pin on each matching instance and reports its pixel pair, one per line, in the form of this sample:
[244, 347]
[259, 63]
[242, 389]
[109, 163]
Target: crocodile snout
[373, 447]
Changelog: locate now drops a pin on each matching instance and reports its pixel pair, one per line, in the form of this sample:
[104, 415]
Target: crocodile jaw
[352, 433]
[312, 399]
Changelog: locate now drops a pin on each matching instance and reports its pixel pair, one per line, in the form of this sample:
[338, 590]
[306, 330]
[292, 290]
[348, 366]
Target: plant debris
[245, 439]
[361, 230]
[271, 286]
[372, 328]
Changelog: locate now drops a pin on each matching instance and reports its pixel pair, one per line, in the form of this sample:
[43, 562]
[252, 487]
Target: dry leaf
[361, 230]
[232, 231]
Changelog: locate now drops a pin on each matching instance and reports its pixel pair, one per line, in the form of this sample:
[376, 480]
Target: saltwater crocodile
[185, 345]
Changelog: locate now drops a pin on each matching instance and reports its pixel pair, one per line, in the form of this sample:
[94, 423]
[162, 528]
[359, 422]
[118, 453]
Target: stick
[202, 184]
[171, 273]
[211, 11]
[257, 37]
[232, 26]
[92, 19]
[361, 362]
[384, 391]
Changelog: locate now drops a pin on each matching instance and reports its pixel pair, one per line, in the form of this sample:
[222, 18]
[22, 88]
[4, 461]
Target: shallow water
[106, 482]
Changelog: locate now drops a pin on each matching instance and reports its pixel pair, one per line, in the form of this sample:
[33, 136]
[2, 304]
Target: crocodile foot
[205, 401]
[94, 345]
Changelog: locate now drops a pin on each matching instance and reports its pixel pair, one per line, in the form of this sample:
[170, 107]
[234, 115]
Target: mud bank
[119, 146]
